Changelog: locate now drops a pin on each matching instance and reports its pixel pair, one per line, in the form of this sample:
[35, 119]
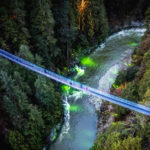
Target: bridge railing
[105, 96]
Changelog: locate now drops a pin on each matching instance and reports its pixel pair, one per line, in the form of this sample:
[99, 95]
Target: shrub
[144, 84]
[114, 142]
[121, 111]
[146, 56]
[130, 93]
[144, 134]
[121, 78]
[131, 73]
[17, 141]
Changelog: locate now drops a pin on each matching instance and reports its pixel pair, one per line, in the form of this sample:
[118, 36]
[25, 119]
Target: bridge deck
[105, 96]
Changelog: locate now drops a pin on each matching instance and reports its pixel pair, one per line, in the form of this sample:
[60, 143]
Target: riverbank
[128, 127]
[107, 114]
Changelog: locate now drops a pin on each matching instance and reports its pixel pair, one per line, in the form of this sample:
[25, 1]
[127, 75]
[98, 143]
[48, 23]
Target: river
[80, 127]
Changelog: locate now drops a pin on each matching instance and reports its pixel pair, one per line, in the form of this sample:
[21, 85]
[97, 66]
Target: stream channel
[80, 126]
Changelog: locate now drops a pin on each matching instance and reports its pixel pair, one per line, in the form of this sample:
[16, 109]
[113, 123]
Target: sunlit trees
[115, 141]
[92, 20]
[82, 6]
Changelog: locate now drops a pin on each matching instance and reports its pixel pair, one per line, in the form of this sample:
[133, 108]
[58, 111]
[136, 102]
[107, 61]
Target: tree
[63, 30]
[82, 6]
[100, 21]
[13, 25]
[49, 97]
[113, 141]
[42, 24]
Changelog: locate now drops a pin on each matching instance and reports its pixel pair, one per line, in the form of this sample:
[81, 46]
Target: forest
[55, 34]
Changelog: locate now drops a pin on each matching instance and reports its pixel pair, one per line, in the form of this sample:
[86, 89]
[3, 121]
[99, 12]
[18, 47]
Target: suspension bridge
[79, 86]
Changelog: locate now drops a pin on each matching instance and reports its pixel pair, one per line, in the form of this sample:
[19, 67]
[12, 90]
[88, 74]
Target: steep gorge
[53, 34]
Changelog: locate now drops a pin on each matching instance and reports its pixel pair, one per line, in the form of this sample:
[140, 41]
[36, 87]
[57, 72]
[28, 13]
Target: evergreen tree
[99, 19]
[42, 32]
[13, 25]
[63, 30]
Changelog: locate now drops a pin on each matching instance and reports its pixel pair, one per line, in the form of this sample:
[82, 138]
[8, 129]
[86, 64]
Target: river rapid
[80, 126]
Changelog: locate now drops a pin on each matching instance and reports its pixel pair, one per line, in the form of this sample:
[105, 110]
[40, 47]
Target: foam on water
[66, 125]
[139, 32]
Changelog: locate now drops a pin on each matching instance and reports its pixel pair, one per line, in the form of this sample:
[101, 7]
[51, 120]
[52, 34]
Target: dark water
[80, 128]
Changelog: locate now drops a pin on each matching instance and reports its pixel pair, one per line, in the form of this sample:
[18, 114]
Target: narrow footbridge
[105, 96]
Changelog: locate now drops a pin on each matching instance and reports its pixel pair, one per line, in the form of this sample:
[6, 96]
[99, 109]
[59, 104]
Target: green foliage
[130, 93]
[122, 111]
[64, 30]
[146, 98]
[25, 53]
[34, 128]
[43, 32]
[10, 106]
[145, 81]
[17, 141]
[114, 141]
[31, 121]
[29, 136]
[44, 91]
[101, 27]
[121, 78]
[126, 75]
[118, 137]
[13, 34]
[144, 132]
[47, 95]
[42, 24]
[146, 57]
[131, 73]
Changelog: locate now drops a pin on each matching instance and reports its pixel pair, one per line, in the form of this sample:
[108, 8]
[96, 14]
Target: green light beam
[87, 61]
